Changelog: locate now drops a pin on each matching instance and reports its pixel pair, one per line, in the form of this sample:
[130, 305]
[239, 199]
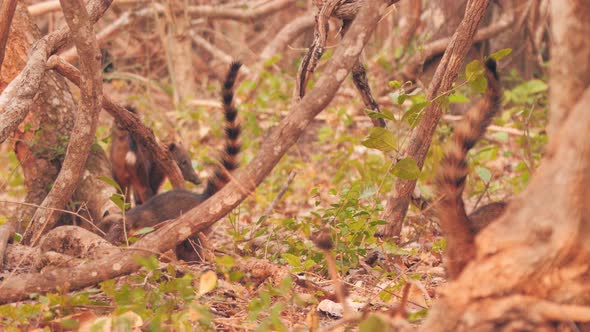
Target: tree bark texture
[570, 56]
[40, 141]
[82, 137]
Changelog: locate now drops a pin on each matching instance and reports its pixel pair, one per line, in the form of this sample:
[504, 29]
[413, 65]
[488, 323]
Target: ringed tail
[453, 168]
[232, 146]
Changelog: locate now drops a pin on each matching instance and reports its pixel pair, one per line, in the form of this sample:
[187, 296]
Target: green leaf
[479, 84]
[226, 261]
[384, 114]
[414, 113]
[500, 54]
[501, 136]
[110, 182]
[380, 139]
[473, 70]
[398, 96]
[458, 98]
[144, 230]
[373, 323]
[293, 260]
[484, 174]
[406, 169]
[394, 84]
[534, 86]
[17, 238]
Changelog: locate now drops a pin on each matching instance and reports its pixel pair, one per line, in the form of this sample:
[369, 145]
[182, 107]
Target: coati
[172, 204]
[134, 168]
[453, 170]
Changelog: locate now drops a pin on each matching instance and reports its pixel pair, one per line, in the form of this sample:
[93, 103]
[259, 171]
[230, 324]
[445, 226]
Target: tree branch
[421, 137]
[17, 98]
[284, 135]
[237, 14]
[82, 136]
[434, 48]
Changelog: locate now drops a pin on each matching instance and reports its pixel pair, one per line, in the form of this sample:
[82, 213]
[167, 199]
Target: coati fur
[172, 204]
[135, 169]
[453, 171]
[130, 164]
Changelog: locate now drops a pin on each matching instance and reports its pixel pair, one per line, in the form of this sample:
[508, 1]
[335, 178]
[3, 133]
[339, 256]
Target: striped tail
[232, 133]
[453, 169]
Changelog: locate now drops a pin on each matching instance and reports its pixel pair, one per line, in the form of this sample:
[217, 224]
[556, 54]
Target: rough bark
[570, 50]
[19, 95]
[544, 259]
[7, 9]
[38, 149]
[421, 137]
[532, 265]
[82, 137]
[284, 135]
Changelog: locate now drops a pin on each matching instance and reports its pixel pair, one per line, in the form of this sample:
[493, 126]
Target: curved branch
[287, 34]
[82, 136]
[17, 98]
[203, 216]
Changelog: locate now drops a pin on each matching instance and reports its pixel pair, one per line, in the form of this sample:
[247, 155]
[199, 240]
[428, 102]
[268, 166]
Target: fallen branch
[85, 123]
[284, 135]
[130, 122]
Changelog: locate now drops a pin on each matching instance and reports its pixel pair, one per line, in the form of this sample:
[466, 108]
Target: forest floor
[338, 183]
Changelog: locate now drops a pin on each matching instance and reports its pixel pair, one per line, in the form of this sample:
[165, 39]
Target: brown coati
[130, 164]
[453, 170]
[172, 204]
[134, 168]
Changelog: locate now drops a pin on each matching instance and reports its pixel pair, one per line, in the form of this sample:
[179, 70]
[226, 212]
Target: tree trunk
[40, 142]
[532, 266]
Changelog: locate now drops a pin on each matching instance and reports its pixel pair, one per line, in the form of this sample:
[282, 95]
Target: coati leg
[453, 170]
